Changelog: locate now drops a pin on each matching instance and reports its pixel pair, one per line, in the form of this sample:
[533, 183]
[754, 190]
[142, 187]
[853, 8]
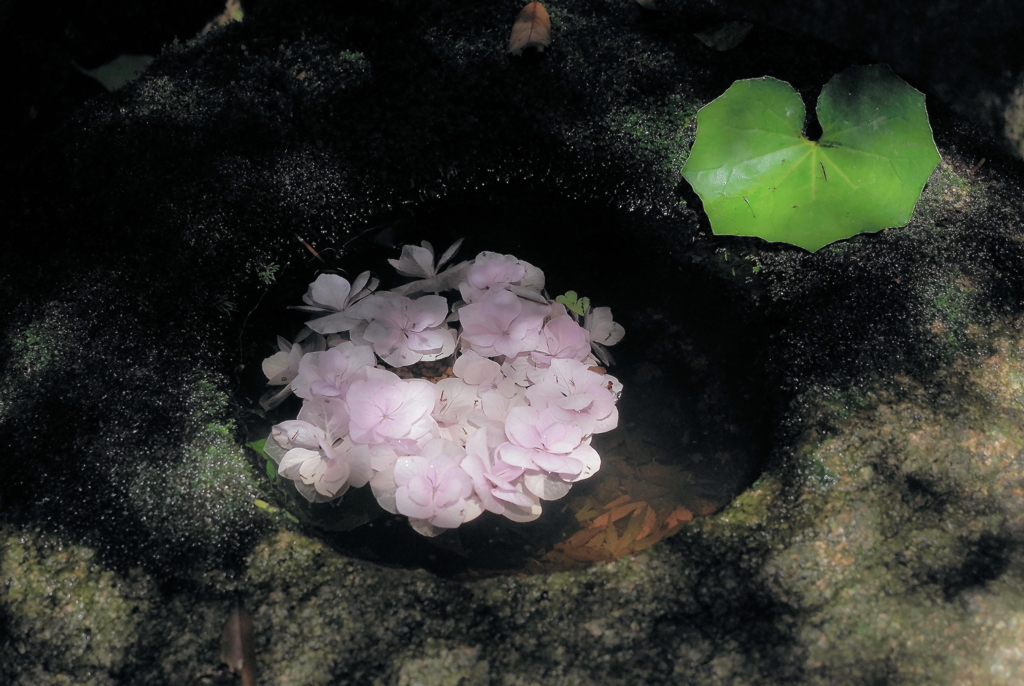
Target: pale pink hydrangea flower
[282, 367]
[575, 394]
[418, 261]
[432, 490]
[386, 409]
[477, 370]
[496, 393]
[497, 484]
[383, 457]
[538, 440]
[404, 331]
[601, 327]
[502, 324]
[603, 332]
[562, 338]
[331, 372]
[492, 272]
[496, 403]
[315, 453]
[502, 435]
[333, 296]
[456, 401]
[520, 367]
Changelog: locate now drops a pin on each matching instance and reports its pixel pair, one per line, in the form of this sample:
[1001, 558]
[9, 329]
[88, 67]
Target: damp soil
[695, 420]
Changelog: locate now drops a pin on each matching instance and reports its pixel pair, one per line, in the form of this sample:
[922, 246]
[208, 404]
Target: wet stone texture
[959, 50]
[882, 542]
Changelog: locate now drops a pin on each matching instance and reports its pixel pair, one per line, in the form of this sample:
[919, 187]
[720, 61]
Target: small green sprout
[224, 305]
[267, 273]
[580, 306]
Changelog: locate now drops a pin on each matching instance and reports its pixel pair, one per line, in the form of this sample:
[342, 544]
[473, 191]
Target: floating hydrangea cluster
[497, 414]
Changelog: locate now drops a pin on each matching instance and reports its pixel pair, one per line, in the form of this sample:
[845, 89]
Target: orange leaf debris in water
[578, 539]
[678, 516]
[704, 507]
[588, 511]
[532, 29]
[650, 521]
[617, 513]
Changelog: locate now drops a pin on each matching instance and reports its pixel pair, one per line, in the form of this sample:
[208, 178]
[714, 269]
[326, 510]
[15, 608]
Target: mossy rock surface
[881, 544]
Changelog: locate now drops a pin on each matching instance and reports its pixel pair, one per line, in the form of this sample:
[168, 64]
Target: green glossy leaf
[258, 446]
[759, 176]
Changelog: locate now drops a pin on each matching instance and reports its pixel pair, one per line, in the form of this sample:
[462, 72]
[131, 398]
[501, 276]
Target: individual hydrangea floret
[505, 421]
[540, 440]
[492, 272]
[418, 261]
[384, 408]
[576, 394]
[603, 332]
[562, 338]
[403, 331]
[497, 484]
[502, 324]
[330, 373]
[456, 402]
[432, 490]
[282, 367]
[315, 452]
[332, 296]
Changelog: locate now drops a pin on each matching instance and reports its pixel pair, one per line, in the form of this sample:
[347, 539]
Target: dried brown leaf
[725, 36]
[532, 29]
[238, 645]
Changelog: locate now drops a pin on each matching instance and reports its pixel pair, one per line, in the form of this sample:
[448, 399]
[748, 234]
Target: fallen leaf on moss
[119, 71]
[532, 29]
[238, 646]
[725, 36]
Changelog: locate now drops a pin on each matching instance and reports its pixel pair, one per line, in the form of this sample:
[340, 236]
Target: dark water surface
[693, 429]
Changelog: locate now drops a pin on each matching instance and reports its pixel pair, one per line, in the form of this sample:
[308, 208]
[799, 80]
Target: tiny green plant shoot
[578, 305]
[758, 175]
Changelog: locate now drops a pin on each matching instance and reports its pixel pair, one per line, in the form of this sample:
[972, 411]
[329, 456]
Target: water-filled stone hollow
[693, 427]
